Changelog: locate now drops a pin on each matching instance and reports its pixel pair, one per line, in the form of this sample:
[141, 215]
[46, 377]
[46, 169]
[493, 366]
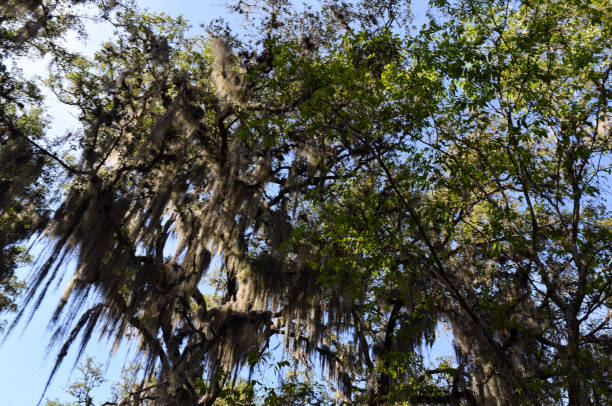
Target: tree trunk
[573, 362]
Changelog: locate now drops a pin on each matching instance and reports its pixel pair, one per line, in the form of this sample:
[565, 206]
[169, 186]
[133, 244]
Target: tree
[123, 391]
[91, 378]
[29, 28]
[534, 120]
[360, 183]
[509, 217]
[19, 168]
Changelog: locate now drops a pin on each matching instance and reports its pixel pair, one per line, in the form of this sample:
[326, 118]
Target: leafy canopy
[359, 182]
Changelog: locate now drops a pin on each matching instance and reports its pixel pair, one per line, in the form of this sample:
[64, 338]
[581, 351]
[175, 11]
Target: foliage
[27, 29]
[359, 183]
[124, 391]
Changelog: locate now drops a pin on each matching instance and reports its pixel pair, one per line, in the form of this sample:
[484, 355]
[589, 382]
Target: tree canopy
[360, 182]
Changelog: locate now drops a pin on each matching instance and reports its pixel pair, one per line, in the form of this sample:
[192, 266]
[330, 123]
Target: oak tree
[359, 182]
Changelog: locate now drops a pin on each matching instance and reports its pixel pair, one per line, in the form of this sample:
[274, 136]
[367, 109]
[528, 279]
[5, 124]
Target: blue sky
[24, 362]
